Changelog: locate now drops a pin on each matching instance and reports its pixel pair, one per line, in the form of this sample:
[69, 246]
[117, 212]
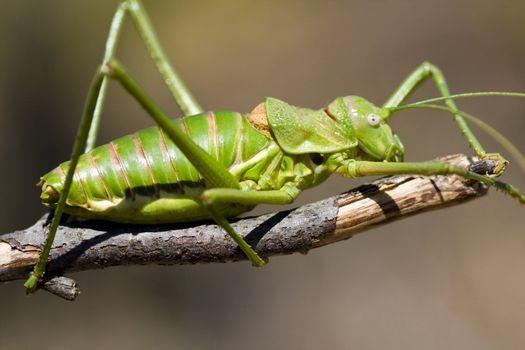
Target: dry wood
[92, 245]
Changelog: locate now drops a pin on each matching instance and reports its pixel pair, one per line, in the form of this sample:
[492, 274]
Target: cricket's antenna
[459, 96]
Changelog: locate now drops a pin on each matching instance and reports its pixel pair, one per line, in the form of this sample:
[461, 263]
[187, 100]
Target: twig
[95, 244]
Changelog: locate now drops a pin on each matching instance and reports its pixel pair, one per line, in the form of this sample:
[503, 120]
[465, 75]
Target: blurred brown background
[452, 279]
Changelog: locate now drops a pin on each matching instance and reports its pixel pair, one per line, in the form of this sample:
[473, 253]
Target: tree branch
[96, 244]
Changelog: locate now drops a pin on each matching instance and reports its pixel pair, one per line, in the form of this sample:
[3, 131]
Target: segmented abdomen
[148, 164]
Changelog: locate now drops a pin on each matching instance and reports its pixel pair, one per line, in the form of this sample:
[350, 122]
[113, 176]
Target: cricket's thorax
[145, 178]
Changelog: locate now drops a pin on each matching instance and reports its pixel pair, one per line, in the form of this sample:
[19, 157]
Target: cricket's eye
[373, 119]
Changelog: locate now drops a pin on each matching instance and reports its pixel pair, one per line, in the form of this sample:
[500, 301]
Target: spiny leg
[423, 72]
[367, 168]
[187, 103]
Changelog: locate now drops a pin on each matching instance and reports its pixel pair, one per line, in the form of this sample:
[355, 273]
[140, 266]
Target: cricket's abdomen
[145, 178]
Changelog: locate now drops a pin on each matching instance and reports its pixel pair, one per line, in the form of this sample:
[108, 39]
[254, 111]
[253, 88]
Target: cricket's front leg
[428, 70]
[357, 168]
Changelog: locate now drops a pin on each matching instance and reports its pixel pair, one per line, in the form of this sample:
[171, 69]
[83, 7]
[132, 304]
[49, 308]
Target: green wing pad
[301, 130]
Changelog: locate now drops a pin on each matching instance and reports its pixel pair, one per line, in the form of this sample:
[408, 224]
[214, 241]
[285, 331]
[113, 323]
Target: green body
[145, 178]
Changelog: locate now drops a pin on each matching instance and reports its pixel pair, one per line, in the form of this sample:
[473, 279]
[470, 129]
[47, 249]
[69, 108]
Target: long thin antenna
[458, 96]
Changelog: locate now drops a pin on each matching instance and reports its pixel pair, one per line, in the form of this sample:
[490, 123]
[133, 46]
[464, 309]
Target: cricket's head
[347, 123]
[374, 136]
